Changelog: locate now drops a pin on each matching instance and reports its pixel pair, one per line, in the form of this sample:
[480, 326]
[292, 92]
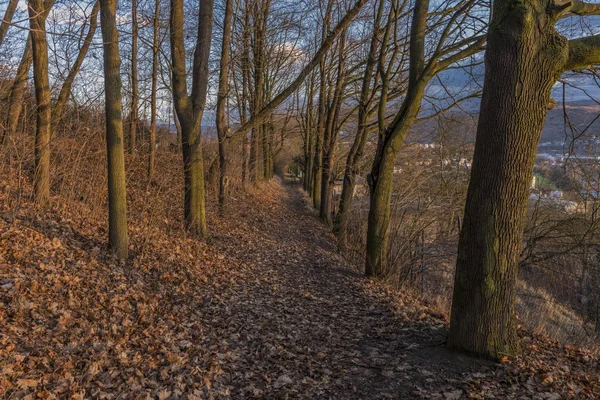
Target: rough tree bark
[117, 195]
[191, 108]
[524, 58]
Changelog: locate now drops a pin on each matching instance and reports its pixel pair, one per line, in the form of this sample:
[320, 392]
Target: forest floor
[266, 308]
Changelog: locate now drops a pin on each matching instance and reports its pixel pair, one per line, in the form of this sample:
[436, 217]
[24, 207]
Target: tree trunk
[356, 151]
[222, 103]
[177, 129]
[117, 195]
[330, 137]
[245, 100]
[310, 140]
[155, 51]
[317, 173]
[6, 21]
[524, 58]
[133, 112]
[41, 180]
[190, 110]
[381, 178]
[17, 92]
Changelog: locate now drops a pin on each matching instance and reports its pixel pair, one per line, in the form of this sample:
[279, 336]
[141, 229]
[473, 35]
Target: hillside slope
[266, 308]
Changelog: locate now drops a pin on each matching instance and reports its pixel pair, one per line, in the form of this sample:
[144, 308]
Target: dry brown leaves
[264, 309]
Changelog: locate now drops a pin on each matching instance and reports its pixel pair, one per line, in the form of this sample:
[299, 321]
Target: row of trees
[355, 71]
[525, 56]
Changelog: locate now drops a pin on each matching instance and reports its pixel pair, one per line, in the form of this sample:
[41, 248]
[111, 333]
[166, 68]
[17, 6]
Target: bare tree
[356, 151]
[117, 195]
[37, 21]
[447, 51]
[65, 90]
[191, 108]
[525, 56]
[330, 135]
[222, 103]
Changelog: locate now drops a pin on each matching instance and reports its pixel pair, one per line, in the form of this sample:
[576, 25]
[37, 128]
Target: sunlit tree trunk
[41, 179]
[17, 92]
[117, 195]
[191, 108]
[524, 58]
[11, 7]
[381, 178]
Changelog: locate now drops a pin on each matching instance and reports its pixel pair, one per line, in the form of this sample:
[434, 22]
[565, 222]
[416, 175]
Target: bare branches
[287, 92]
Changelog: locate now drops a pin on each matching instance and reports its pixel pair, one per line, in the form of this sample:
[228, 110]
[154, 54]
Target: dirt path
[265, 309]
[309, 327]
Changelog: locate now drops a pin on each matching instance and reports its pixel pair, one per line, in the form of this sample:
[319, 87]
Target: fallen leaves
[268, 309]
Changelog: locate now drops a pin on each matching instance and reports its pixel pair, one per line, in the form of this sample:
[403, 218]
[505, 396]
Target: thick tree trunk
[222, 103]
[155, 51]
[524, 58]
[6, 21]
[133, 112]
[41, 179]
[117, 195]
[190, 109]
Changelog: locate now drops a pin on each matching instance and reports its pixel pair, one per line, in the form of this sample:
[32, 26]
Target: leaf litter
[266, 308]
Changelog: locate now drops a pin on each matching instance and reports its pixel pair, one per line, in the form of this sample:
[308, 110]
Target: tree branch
[285, 93]
[580, 7]
[583, 53]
